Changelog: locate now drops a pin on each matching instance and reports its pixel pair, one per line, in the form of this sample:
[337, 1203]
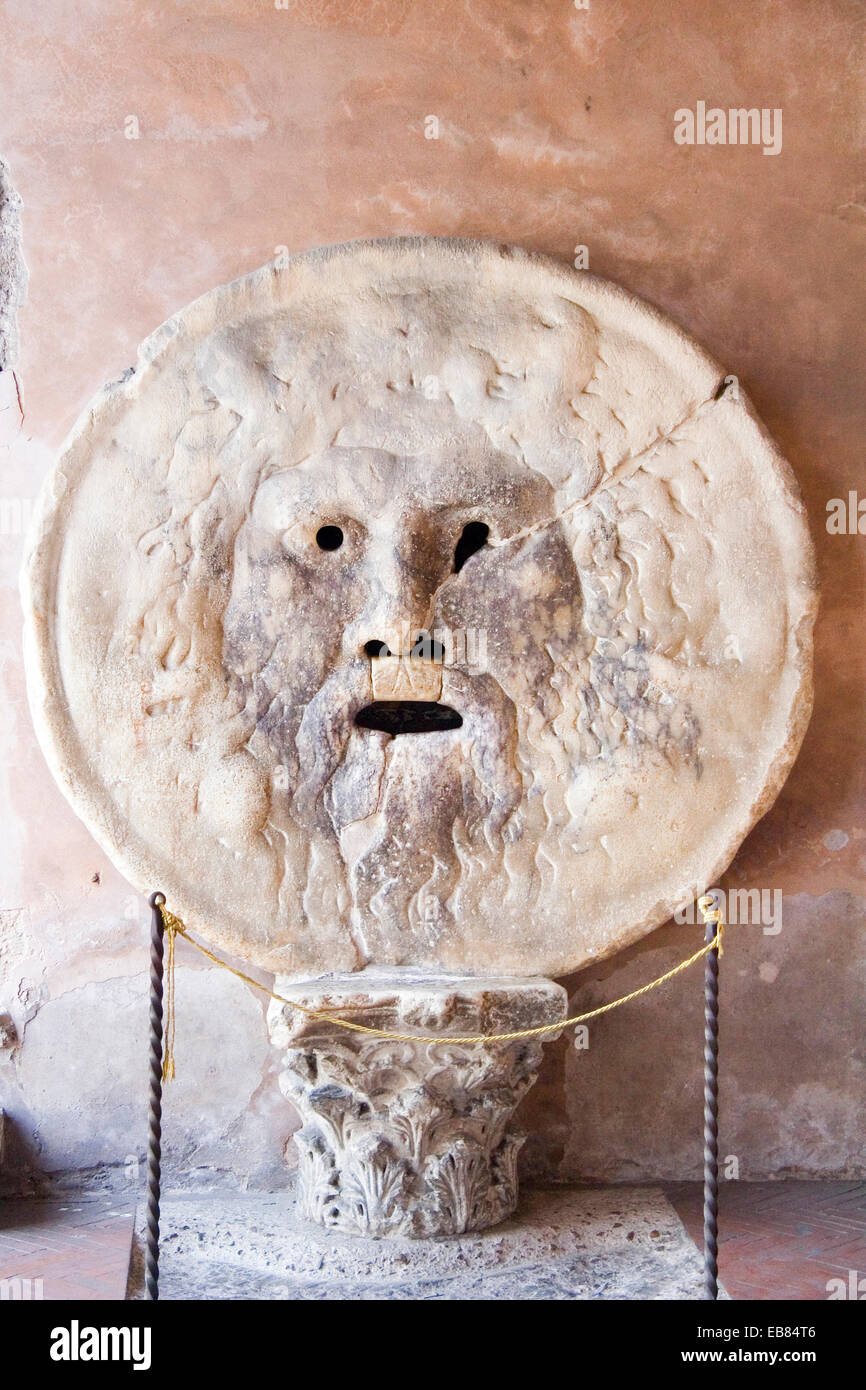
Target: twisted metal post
[711, 1111]
[154, 1128]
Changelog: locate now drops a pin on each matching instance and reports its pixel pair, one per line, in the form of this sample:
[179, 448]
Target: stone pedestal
[405, 1138]
[565, 1244]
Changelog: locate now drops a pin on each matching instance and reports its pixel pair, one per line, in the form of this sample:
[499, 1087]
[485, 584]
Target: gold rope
[175, 927]
[168, 1054]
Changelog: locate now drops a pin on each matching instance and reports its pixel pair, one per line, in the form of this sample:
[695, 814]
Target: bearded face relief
[459, 622]
[392, 631]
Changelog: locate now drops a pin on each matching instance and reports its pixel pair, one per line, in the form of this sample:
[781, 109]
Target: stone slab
[526, 484]
[414, 1001]
[565, 1243]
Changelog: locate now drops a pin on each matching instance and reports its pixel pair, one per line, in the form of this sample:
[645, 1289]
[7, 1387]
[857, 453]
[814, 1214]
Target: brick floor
[78, 1248]
[782, 1239]
[776, 1240]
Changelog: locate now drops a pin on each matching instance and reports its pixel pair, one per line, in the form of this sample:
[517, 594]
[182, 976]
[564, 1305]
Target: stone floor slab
[565, 1243]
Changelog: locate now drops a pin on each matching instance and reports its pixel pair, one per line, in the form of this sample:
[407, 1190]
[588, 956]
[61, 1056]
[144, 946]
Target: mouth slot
[407, 717]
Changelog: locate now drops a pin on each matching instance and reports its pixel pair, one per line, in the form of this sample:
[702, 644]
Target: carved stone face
[425, 605]
[387, 621]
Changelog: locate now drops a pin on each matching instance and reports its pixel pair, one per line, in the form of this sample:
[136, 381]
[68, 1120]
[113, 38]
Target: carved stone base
[401, 1138]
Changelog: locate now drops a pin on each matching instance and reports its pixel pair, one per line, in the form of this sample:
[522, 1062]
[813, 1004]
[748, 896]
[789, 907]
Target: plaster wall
[159, 150]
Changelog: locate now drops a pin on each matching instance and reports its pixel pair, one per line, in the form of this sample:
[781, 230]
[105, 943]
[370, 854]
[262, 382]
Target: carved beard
[406, 836]
[406, 812]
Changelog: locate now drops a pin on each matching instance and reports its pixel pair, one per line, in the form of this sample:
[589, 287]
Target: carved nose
[396, 606]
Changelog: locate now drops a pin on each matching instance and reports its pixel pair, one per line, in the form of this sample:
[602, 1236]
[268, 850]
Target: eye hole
[329, 538]
[473, 537]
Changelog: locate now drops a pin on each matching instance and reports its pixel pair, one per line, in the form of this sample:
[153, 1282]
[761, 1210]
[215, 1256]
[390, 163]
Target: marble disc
[421, 602]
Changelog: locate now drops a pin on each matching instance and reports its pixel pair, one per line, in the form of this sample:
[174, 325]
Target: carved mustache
[488, 735]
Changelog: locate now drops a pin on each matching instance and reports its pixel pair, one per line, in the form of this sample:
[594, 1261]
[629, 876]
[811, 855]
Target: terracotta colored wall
[262, 127]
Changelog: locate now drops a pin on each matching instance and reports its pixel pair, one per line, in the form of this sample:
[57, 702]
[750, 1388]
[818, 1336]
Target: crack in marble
[613, 476]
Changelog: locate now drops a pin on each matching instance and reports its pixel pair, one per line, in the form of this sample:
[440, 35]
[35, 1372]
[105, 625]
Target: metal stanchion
[154, 1129]
[711, 1116]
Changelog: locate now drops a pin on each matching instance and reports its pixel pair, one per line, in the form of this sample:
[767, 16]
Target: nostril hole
[472, 538]
[427, 649]
[375, 648]
[329, 538]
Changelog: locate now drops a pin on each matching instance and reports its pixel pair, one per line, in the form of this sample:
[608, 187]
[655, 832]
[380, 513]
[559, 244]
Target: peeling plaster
[13, 272]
